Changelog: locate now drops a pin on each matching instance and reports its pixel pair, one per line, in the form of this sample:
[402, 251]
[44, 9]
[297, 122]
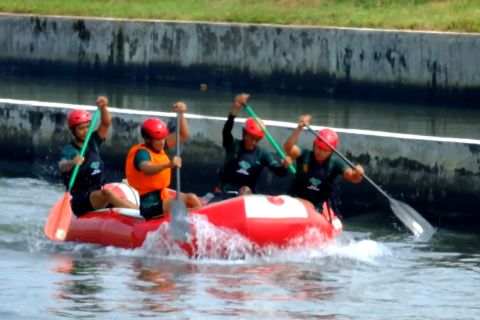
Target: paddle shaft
[269, 137]
[180, 225]
[178, 154]
[406, 214]
[84, 148]
[58, 222]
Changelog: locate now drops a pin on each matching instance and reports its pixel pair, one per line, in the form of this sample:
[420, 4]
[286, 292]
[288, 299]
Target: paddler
[317, 168]
[244, 159]
[148, 167]
[87, 193]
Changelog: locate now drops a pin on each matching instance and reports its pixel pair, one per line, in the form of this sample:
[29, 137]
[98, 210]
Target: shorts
[81, 203]
[151, 210]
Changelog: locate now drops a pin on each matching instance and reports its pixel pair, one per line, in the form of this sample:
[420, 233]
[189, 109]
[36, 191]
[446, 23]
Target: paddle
[179, 223]
[406, 214]
[269, 137]
[58, 222]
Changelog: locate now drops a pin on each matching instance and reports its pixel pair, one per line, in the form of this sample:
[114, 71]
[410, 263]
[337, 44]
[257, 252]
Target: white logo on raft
[279, 207]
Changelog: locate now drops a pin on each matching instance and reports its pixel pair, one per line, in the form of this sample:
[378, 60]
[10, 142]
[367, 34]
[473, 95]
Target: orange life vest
[146, 183]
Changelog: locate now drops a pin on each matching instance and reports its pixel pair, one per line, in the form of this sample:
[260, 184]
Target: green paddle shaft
[269, 137]
[84, 147]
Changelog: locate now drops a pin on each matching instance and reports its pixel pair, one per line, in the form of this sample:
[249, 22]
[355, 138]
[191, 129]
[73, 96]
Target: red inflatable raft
[263, 220]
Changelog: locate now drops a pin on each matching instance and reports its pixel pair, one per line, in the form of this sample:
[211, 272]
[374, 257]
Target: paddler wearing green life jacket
[244, 159]
[87, 193]
[317, 168]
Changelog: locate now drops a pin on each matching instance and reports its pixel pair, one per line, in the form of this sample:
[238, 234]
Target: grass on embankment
[441, 15]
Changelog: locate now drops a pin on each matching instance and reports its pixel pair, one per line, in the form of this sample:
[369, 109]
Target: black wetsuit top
[90, 177]
[313, 181]
[242, 167]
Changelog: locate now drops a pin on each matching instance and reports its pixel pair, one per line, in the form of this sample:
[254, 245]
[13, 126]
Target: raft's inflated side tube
[264, 220]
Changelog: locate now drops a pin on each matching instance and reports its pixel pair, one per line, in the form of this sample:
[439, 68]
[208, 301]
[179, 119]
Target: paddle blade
[179, 222]
[412, 220]
[58, 221]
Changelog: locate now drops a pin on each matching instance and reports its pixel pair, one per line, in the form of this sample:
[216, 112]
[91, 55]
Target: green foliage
[442, 15]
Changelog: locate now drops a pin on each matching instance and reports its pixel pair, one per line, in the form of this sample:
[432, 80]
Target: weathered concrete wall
[440, 177]
[339, 61]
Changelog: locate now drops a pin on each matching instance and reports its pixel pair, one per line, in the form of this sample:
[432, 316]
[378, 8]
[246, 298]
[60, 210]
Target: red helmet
[251, 126]
[328, 135]
[77, 117]
[154, 128]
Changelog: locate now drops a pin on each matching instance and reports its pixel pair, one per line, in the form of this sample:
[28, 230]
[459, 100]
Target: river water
[374, 270]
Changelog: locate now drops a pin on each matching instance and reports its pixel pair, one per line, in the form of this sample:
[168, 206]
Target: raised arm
[181, 108]
[227, 137]
[290, 146]
[105, 117]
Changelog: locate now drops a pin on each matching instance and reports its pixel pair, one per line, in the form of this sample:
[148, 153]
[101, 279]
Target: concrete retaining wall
[339, 61]
[440, 177]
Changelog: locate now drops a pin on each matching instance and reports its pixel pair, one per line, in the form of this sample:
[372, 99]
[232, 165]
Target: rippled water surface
[373, 271]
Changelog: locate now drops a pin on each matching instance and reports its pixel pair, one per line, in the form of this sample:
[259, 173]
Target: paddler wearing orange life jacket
[317, 168]
[244, 159]
[148, 167]
[87, 193]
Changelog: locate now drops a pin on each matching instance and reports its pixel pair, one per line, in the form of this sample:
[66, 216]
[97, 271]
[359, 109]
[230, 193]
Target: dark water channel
[430, 120]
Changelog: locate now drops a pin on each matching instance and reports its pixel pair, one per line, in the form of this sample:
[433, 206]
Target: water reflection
[81, 292]
[273, 287]
[330, 284]
[159, 284]
[150, 289]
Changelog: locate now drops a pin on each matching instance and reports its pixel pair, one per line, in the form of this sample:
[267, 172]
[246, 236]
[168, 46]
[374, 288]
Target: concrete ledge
[378, 64]
[440, 177]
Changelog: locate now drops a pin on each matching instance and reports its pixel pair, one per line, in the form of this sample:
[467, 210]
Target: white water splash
[363, 250]
[211, 242]
[219, 245]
